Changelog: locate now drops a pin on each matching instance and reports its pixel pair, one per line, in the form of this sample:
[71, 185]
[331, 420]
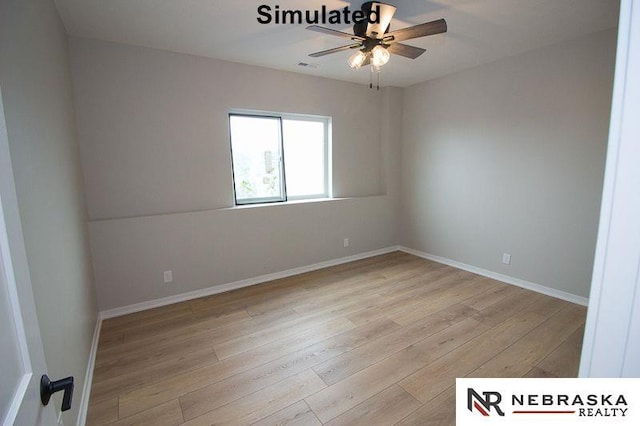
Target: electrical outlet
[168, 276]
[506, 258]
[345, 243]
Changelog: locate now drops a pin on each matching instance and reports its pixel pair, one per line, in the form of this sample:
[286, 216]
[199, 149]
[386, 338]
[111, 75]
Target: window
[279, 157]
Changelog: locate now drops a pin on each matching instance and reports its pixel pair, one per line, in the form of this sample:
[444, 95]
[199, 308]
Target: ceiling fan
[374, 42]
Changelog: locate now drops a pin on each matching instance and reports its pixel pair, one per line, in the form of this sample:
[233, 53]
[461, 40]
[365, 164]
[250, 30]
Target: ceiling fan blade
[387, 11]
[334, 50]
[405, 50]
[325, 30]
[422, 30]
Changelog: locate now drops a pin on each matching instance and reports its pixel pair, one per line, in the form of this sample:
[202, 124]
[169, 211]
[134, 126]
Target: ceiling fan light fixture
[357, 59]
[379, 56]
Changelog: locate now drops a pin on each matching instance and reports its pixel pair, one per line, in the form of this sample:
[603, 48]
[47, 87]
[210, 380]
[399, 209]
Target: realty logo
[556, 402]
[484, 404]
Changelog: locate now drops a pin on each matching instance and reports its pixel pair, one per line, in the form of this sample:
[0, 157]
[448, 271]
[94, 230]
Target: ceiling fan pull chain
[378, 82]
[371, 79]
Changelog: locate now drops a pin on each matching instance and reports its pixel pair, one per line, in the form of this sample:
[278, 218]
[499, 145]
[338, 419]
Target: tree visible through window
[280, 157]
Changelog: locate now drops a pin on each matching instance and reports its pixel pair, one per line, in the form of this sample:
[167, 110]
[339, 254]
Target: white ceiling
[480, 31]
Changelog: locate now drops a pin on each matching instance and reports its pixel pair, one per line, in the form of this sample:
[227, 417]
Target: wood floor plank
[223, 392]
[411, 297]
[363, 316]
[102, 412]
[263, 403]
[166, 349]
[148, 330]
[348, 307]
[298, 414]
[164, 390]
[326, 295]
[539, 372]
[217, 330]
[288, 300]
[320, 306]
[181, 326]
[518, 301]
[121, 384]
[242, 299]
[549, 306]
[420, 284]
[564, 361]
[343, 366]
[522, 356]
[384, 408]
[376, 341]
[410, 278]
[140, 359]
[374, 265]
[346, 394]
[406, 267]
[440, 411]
[488, 298]
[419, 308]
[167, 414]
[149, 316]
[439, 375]
[107, 340]
[403, 295]
[277, 332]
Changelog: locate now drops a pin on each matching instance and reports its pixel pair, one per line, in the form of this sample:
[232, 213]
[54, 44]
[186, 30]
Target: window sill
[232, 208]
[283, 203]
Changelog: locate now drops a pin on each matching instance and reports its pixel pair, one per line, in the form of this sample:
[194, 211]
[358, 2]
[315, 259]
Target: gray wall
[36, 87]
[155, 153]
[509, 157]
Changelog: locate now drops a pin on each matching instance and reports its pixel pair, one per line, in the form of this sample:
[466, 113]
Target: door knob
[48, 388]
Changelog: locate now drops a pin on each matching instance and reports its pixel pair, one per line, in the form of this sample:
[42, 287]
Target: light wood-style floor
[375, 342]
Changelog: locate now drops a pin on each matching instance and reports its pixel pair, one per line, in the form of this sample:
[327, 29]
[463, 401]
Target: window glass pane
[304, 148]
[255, 144]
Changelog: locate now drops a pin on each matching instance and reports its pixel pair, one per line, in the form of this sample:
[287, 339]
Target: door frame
[610, 347]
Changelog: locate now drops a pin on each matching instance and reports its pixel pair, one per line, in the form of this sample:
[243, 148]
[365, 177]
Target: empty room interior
[229, 212]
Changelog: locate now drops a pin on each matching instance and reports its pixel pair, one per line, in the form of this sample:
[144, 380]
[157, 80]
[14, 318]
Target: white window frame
[326, 121]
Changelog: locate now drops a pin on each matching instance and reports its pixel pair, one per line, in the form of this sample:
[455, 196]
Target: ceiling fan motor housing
[370, 43]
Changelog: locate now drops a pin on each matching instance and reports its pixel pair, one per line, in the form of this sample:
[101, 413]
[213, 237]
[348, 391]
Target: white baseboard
[137, 307]
[559, 294]
[88, 378]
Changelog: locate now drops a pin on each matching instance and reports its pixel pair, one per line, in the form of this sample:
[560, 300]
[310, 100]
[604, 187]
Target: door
[22, 360]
